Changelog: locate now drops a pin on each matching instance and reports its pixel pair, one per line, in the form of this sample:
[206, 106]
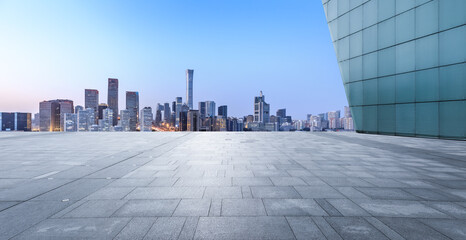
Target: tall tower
[132, 104]
[189, 88]
[91, 100]
[261, 109]
[112, 100]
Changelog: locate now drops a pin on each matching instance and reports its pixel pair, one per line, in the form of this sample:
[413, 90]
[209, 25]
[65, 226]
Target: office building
[183, 124]
[158, 114]
[132, 105]
[107, 119]
[202, 110]
[166, 113]
[70, 122]
[402, 64]
[281, 113]
[86, 120]
[223, 111]
[193, 121]
[178, 104]
[52, 114]
[15, 121]
[189, 88]
[210, 108]
[91, 100]
[101, 108]
[112, 99]
[261, 109]
[146, 119]
[125, 120]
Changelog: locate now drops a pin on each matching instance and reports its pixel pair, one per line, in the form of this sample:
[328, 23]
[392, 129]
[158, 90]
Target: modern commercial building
[132, 105]
[189, 88]
[402, 64]
[146, 119]
[261, 109]
[193, 121]
[91, 100]
[70, 122]
[101, 107]
[281, 113]
[125, 120]
[15, 121]
[177, 110]
[210, 108]
[158, 114]
[112, 99]
[107, 120]
[166, 113]
[86, 119]
[202, 110]
[223, 111]
[52, 114]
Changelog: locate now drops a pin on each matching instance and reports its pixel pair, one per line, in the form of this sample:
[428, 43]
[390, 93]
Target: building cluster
[61, 115]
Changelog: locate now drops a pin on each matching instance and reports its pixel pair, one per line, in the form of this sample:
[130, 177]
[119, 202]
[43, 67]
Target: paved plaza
[230, 186]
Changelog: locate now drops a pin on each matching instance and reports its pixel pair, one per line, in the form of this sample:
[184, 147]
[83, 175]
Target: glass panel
[451, 13]
[357, 117]
[386, 33]
[332, 10]
[369, 39]
[405, 26]
[343, 49]
[427, 52]
[405, 57]
[386, 9]
[356, 69]
[333, 26]
[386, 119]
[427, 19]
[356, 93]
[452, 46]
[370, 13]
[343, 7]
[344, 70]
[403, 5]
[386, 61]
[405, 88]
[356, 45]
[452, 82]
[369, 114]
[369, 92]
[369, 65]
[427, 119]
[427, 85]
[343, 26]
[452, 116]
[355, 3]
[386, 90]
[405, 119]
[356, 20]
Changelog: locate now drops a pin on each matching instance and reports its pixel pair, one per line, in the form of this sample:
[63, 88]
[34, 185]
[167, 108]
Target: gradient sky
[56, 49]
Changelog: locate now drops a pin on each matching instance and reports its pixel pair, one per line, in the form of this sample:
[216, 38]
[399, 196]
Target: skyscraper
[223, 111]
[52, 114]
[146, 119]
[166, 113]
[103, 106]
[402, 64]
[189, 88]
[179, 103]
[91, 100]
[132, 105]
[210, 108]
[125, 120]
[158, 114]
[261, 109]
[202, 110]
[112, 99]
[193, 121]
[281, 113]
[107, 119]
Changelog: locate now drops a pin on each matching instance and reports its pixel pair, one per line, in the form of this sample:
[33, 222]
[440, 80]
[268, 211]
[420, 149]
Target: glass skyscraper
[112, 98]
[132, 105]
[189, 88]
[403, 64]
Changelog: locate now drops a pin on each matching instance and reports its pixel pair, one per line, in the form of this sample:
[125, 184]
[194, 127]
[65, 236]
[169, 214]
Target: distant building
[91, 100]
[210, 108]
[78, 108]
[125, 120]
[261, 109]
[166, 113]
[71, 122]
[132, 105]
[193, 121]
[146, 119]
[183, 124]
[223, 111]
[15, 121]
[102, 106]
[36, 121]
[189, 88]
[112, 99]
[51, 114]
[158, 115]
[281, 113]
[86, 120]
[221, 124]
[107, 119]
[179, 103]
[202, 110]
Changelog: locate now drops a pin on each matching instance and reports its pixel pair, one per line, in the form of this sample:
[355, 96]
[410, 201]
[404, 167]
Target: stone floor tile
[243, 207]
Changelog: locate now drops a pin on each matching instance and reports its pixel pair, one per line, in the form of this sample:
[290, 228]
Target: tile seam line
[163, 144]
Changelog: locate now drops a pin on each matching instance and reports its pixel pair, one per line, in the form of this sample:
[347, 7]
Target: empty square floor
[225, 185]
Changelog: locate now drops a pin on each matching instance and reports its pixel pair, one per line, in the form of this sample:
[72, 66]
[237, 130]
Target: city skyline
[84, 58]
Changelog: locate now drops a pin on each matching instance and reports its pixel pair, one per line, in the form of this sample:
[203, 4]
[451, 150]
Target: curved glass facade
[403, 64]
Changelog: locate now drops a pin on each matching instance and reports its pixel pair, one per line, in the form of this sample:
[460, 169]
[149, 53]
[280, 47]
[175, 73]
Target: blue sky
[56, 49]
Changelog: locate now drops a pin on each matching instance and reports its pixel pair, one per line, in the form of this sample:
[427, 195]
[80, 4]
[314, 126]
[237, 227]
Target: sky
[237, 48]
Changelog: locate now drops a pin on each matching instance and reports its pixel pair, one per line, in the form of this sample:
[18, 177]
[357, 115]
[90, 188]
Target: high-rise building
[261, 109]
[107, 119]
[158, 115]
[223, 111]
[70, 122]
[15, 121]
[166, 113]
[281, 113]
[78, 108]
[91, 100]
[202, 110]
[52, 114]
[102, 106]
[179, 103]
[36, 122]
[193, 121]
[183, 125]
[125, 120]
[189, 88]
[112, 99]
[210, 108]
[403, 65]
[146, 119]
[132, 105]
[86, 120]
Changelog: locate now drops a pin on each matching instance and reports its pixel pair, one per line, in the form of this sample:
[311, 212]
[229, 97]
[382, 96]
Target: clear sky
[56, 49]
